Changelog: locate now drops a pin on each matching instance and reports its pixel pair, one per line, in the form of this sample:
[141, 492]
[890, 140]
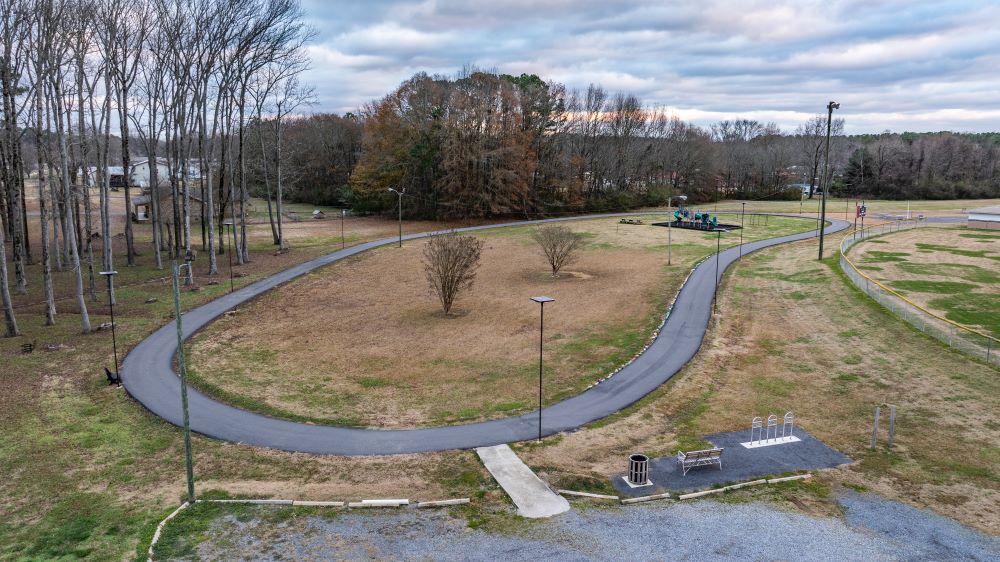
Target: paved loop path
[149, 377]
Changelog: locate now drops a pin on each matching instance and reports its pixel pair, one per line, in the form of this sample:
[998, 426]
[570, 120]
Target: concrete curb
[159, 529]
[250, 502]
[587, 495]
[693, 495]
[444, 503]
[789, 478]
[642, 499]
[379, 503]
[304, 503]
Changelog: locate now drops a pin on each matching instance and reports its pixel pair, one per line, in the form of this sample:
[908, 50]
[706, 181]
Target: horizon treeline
[485, 144]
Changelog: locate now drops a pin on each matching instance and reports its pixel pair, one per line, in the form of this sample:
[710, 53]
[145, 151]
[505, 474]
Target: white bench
[705, 457]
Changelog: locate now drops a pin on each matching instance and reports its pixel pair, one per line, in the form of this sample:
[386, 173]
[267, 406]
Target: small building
[985, 217]
[142, 171]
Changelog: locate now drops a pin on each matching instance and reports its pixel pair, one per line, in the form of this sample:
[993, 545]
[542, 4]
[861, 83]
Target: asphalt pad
[739, 464]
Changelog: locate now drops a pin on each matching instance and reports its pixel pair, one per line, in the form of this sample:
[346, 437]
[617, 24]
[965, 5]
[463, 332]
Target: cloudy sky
[893, 64]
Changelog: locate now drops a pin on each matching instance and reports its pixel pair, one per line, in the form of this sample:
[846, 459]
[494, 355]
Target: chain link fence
[967, 340]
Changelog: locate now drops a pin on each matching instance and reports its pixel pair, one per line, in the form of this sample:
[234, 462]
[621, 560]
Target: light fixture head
[834, 105]
[542, 300]
[109, 273]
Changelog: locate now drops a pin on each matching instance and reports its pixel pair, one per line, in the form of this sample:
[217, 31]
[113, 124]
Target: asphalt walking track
[149, 377]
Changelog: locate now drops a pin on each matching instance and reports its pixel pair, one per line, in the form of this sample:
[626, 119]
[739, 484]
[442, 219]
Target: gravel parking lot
[873, 529]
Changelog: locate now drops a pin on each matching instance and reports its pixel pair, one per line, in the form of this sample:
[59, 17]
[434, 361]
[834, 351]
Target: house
[142, 171]
[985, 217]
[116, 176]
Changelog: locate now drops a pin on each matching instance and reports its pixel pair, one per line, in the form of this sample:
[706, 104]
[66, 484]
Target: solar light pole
[718, 250]
[400, 194]
[742, 216]
[183, 365]
[110, 275]
[227, 225]
[826, 172]
[541, 335]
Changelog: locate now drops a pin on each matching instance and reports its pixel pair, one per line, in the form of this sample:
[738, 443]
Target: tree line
[484, 143]
[180, 82]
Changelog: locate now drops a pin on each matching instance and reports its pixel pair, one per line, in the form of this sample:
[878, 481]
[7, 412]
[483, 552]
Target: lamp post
[110, 275]
[227, 225]
[183, 365]
[670, 229]
[400, 194]
[343, 242]
[742, 215]
[826, 172]
[718, 250]
[541, 335]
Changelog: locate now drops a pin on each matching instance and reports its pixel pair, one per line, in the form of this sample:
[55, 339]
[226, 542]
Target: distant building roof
[991, 210]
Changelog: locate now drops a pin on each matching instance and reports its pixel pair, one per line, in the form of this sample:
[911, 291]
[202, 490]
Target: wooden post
[875, 427]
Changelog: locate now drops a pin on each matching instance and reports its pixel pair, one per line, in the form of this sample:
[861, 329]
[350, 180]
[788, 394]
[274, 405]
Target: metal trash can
[638, 469]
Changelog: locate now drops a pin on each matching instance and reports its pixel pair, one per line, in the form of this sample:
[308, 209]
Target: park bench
[705, 457]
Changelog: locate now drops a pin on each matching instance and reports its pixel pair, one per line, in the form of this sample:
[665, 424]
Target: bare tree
[450, 262]
[560, 245]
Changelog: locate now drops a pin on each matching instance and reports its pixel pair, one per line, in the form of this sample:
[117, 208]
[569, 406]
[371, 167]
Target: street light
[718, 250]
[742, 215]
[227, 226]
[541, 334]
[183, 364]
[110, 275]
[670, 227]
[826, 172]
[343, 242]
[400, 194]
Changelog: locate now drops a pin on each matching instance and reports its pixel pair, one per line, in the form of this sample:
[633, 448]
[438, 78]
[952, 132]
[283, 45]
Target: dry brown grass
[794, 336]
[365, 342]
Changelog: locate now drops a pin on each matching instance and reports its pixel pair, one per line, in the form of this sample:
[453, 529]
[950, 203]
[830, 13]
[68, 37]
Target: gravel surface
[874, 529]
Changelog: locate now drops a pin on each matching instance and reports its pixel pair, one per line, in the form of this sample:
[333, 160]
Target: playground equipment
[694, 220]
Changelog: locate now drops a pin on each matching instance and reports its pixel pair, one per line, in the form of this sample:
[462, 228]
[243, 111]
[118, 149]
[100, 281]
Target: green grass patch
[956, 251]
[923, 286]
[878, 256]
[967, 272]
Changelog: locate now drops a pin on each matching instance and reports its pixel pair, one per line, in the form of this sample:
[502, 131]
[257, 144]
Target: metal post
[541, 338]
[742, 215]
[111, 303]
[875, 427]
[718, 249]
[227, 227]
[401, 219]
[184, 397]
[343, 242]
[826, 172]
[892, 423]
[670, 230]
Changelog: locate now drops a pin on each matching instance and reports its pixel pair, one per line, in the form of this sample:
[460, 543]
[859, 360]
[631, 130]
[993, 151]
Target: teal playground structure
[695, 220]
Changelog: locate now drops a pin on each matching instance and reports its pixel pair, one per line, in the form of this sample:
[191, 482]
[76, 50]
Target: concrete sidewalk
[533, 498]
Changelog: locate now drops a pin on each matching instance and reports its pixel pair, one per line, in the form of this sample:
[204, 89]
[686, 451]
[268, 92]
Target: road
[148, 374]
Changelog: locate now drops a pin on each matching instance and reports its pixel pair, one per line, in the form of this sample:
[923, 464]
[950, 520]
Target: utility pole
[184, 396]
[826, 173]
[400, 194]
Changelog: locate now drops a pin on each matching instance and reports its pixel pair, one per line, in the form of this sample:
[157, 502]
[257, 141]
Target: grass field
[87, 473]
[364, 342]
[954, 272]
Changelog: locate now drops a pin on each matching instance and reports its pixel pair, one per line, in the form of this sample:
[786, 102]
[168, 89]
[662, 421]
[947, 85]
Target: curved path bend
[149, 376]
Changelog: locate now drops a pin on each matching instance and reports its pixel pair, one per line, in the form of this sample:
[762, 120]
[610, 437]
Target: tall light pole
[718, 250]
[400, 194]
[183, 364]
[541, 337]
[826, 172]
[670, 228]
[742, 215]
[227, 226]
[343, 242]
[110, 276]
